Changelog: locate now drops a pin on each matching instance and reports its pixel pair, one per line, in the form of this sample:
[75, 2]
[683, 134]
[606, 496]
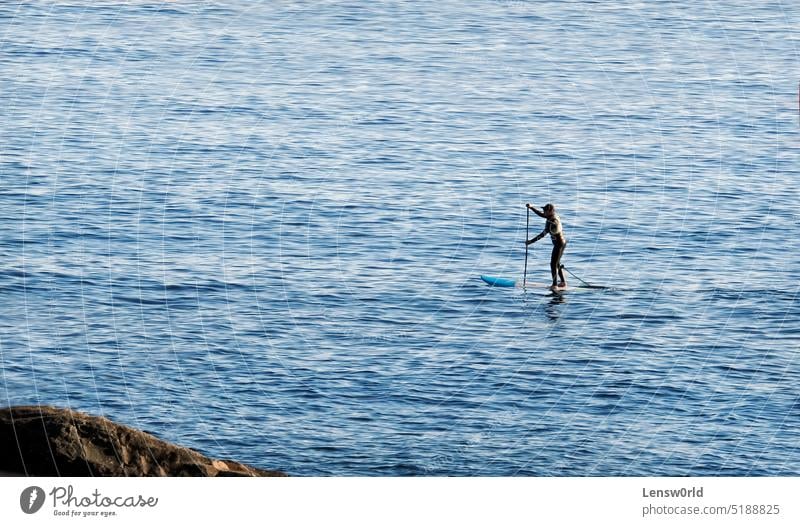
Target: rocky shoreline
[47, 441]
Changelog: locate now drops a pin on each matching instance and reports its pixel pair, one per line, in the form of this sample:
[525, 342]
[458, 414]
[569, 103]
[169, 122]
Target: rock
[46, 441]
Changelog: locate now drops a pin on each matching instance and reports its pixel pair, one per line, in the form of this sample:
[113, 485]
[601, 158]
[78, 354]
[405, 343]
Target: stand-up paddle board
[505, 282]
[514, 283]
[499, 282]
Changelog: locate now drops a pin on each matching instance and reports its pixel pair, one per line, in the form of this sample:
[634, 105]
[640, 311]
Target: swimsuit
[553, 227]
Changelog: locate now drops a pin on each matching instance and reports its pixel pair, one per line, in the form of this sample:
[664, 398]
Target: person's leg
[554, 259]
[561, 267]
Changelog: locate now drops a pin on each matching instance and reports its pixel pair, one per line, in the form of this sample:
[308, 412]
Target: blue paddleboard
[499, 282]
[505, 282]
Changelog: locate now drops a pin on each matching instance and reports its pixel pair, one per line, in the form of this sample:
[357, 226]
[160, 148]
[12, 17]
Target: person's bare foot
[562, 285]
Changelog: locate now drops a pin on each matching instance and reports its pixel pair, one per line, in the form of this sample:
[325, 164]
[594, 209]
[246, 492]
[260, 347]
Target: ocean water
[256, 229]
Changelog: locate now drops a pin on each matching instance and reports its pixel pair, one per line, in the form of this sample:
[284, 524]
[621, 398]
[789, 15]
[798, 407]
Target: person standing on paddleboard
[552, 227]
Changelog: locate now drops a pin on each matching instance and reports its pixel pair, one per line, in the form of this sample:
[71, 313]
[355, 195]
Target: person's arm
[535, 210]
[537, 238]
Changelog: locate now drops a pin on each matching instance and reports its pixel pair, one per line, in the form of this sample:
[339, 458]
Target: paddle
[527, 223]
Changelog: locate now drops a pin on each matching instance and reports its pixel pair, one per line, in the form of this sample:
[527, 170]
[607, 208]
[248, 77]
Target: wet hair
[549, 206]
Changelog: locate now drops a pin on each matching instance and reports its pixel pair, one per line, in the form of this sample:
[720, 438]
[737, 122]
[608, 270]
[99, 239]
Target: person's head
[549, 210]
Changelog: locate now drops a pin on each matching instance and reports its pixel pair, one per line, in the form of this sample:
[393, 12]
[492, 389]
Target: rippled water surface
[256, 229]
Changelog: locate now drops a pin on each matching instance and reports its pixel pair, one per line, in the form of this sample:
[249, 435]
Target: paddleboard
[505, 282]
[499, 282]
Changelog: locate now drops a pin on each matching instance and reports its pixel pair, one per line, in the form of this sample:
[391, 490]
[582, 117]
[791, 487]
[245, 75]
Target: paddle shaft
[527, 223]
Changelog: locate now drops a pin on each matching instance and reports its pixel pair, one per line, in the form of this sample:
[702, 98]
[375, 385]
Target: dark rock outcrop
[47, 441]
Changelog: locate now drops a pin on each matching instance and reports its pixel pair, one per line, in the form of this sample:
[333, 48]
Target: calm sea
[256, 229]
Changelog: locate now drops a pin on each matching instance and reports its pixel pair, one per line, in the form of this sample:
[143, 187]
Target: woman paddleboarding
[552, 227]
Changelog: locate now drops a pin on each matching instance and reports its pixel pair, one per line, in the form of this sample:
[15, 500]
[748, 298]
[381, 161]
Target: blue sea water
[256, 229]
